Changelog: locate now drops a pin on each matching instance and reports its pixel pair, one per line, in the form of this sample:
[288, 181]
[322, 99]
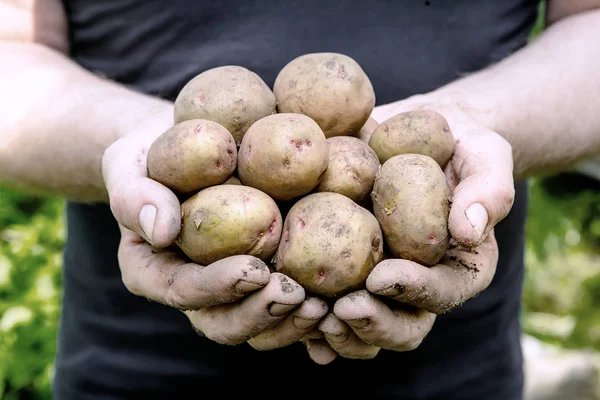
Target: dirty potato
[226, 220]
[330, 88]
[232, 181]
[411, 200]
[367, 130]
[231, 95]
[284, 155]
[351, 169]
[423, 132]
[329, 244]
[192, 155]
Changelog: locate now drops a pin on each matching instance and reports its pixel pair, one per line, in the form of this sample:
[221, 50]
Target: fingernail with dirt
[278, 309]
[478, 217]
[358, 323]
[243, 286]
[146, 218]
[341, 338]
[312, 335]
[303, 323]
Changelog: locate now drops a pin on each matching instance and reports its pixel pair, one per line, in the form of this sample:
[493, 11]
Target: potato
[232, 181]
[233, 96]
[329, 244]
[351, 169]
[192, 155]
[423, 132]
[284, 155]
[330, 88]
[367, 130]
[411, 201]
[226, 220]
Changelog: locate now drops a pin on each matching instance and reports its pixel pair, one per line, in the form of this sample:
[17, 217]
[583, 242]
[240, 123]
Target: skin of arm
[533, 113]
[69, 132]
[58, 118]
[544, 99]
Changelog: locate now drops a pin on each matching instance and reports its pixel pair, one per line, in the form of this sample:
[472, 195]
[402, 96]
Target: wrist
[474, 105]
[462, 111]
[153, 115]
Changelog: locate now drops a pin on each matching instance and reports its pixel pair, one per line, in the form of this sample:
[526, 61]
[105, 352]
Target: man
[87, 86]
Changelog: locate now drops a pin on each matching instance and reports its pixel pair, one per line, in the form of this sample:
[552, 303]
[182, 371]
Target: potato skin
[284, 155]
[329, 244]
[226, 220]
[233, 180]
[351, 169]
[192, 155]
[411, 201]
[367, 130]
[423, 132]
[231, 95]
[330, 88]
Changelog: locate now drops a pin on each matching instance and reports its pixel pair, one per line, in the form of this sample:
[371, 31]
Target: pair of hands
[238, 300]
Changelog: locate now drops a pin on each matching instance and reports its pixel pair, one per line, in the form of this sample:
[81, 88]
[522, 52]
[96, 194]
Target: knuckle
[485, 283]
[369, 354]
[109, 155]
[130, 281]
[215, 331]
[176, 299]
[505, 195]
[410, 345]
[128, 276]
[226, 338]
[504, 145]
[118, 195]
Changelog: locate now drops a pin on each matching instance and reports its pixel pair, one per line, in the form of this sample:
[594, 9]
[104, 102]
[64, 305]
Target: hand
[229, 301]
[402, 298]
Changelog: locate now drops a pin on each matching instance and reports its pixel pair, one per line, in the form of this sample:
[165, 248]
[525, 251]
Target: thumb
[482, 165]
[139, 203]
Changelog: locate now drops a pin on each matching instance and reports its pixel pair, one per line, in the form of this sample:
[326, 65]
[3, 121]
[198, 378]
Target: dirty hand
[402, 298]
[229, 301]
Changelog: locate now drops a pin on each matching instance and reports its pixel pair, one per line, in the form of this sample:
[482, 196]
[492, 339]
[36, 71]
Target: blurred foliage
[561, 300]
[541, 21]
[562, 287]
[31, 243]
[561, 297]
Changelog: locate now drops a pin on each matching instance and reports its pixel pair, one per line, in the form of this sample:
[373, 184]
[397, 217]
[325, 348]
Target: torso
[112, 339]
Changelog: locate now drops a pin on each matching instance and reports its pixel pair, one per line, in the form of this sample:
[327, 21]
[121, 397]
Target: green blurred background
[561, 299]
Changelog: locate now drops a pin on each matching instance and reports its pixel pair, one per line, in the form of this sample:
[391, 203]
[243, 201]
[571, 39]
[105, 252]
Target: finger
[451, 177]
[320, 351]
[458, 277]
[167, 278]
[485, 192]
[344, 341]
[139, 203]
[312, 334]
[293, 328]
[238, 322]
[377, 324]
[385, 111]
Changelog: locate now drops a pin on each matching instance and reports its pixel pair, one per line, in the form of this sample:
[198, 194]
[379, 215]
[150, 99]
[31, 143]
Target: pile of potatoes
[293, 176]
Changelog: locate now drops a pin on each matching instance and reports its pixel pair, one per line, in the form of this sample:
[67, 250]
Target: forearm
[544, 99]
[58, 118]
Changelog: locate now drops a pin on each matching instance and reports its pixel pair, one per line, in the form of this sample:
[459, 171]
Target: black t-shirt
[114, 345]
